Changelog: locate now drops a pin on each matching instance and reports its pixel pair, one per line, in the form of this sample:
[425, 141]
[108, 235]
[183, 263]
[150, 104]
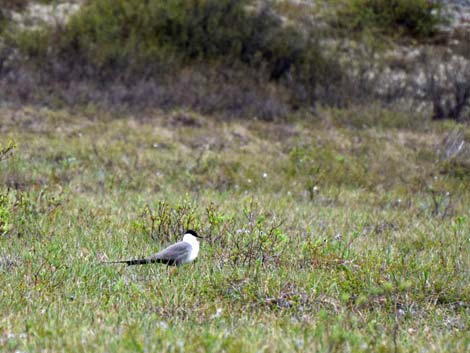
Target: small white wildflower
[316, 188]
[163, 325]
[299, 342]
[218, 313]
[265, 175]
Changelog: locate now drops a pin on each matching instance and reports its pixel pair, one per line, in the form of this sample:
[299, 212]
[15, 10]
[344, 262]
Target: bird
[180, 253]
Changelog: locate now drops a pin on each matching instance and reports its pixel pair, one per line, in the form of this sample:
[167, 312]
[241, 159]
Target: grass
[324, 234]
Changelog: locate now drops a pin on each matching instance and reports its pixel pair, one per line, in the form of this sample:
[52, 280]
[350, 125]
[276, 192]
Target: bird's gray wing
[174, 254]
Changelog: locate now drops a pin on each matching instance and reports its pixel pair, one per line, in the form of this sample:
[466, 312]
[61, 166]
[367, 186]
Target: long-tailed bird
[175, 255]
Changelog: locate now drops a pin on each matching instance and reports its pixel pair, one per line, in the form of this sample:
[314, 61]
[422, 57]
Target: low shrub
[140, 34]
[409, 17]
[5, 223]
[16, 5]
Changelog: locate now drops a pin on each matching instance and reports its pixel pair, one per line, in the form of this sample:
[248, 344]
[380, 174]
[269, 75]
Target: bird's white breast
[191, 240]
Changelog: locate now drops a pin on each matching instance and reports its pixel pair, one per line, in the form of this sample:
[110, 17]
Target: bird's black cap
[193, 232]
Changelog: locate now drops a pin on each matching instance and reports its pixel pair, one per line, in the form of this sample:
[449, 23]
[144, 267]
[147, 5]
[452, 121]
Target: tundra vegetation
[336, 218]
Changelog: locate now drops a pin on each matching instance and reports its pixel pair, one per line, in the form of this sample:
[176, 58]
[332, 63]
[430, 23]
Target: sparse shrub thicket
[447, 85]
[5, 222]
[454, 155]
[258, 243]
[6, 151]
[23, 213]
[163, 222]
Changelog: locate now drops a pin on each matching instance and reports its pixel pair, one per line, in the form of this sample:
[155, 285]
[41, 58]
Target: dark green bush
[142, 35]
[131, 31]
[16, 5]
[3, 21]
[7, 6]
[411, 17]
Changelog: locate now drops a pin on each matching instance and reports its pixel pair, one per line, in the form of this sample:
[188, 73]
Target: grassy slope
[365, 261]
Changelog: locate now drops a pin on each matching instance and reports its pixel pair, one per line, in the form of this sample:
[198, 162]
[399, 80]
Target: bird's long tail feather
[139, 262]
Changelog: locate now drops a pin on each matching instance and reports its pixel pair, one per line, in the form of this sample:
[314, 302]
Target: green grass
[324, 234]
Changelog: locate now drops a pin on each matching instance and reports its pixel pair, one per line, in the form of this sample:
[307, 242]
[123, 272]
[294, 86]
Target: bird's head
[191, 235]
